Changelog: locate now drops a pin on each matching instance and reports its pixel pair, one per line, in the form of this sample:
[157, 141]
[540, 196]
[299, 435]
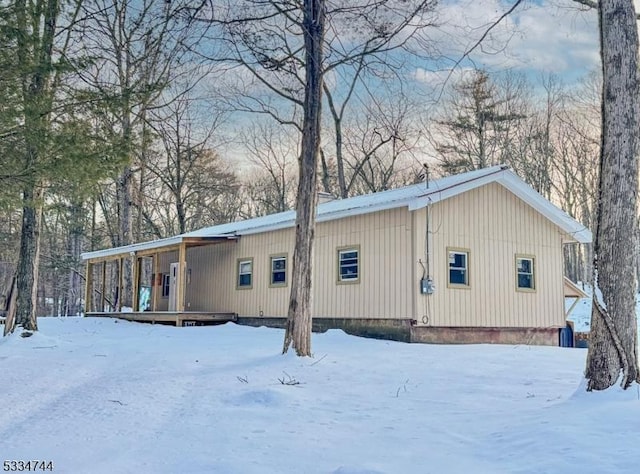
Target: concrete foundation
[403, 330]
[471, 335]
[390, 329]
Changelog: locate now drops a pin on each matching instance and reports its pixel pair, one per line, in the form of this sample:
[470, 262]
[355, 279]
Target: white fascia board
[132, 248]
[576, 230]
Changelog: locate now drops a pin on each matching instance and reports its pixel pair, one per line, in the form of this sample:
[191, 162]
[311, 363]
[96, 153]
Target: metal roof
[414, 197]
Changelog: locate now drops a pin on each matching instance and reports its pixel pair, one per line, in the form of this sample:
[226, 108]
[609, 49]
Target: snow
[105, 396]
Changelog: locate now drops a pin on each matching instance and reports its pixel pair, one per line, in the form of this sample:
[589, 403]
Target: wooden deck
[179, 319]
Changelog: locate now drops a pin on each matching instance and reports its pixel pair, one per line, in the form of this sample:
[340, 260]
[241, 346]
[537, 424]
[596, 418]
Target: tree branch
[479, 42]
[594, 4]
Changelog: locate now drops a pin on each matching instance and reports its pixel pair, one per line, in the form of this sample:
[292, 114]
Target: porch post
[182, 263]
[136, 282]
[89, 288]
[104, 285]
[156, 287]
[120, 283]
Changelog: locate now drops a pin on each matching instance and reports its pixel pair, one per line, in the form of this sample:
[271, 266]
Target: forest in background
[121, 127]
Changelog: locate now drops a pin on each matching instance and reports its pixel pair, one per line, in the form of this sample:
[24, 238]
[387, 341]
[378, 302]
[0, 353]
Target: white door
[173, 284]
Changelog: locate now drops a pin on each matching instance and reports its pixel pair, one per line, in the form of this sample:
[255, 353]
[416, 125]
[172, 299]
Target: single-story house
[475, 257]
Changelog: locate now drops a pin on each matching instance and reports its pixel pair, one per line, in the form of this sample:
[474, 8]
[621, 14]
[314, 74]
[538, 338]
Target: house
[476, 257]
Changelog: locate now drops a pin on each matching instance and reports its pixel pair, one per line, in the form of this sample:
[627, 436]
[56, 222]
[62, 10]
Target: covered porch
[146, 282]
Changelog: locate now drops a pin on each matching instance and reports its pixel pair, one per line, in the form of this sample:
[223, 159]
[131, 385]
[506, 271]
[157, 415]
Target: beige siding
[164, 261]
[494, 225]
[384, 289]
[490, 222]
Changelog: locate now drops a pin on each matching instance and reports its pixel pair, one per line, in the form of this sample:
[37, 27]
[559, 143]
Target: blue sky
[541, 37]
[544, 36]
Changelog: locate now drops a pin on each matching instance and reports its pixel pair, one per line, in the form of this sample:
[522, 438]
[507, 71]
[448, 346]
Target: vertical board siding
[165, 259]
[491, 222]
[494, 225]
[384, 290]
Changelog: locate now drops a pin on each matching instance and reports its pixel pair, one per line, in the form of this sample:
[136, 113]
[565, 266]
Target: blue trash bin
[566, 337]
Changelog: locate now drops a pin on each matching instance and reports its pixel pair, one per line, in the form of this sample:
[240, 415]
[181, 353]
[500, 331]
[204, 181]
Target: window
[245, 274]
[348, 265]
[525, 276]
[278, 270]
[458, 267]
[165, 285]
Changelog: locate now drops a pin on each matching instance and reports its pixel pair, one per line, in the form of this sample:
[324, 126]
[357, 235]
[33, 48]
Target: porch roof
[152, 246]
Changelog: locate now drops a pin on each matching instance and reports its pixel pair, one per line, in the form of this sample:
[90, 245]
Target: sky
[539, 37]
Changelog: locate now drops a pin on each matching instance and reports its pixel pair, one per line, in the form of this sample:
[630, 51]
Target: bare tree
[272, 184]
[137, 49]
[613, 348]
[380, 143]
[289, 48]
[189, 183]
[298, 329]
[576, 149]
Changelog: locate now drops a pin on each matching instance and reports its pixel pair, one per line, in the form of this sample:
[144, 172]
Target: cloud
[559, 37]
[438, 78]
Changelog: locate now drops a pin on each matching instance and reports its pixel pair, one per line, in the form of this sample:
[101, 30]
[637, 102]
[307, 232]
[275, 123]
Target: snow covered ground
[106, 396]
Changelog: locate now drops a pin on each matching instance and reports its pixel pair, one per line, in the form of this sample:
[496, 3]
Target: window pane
[524, 265]
[457, 259]
[458, 268]
[245, 267]
[165, 284]
[458, 277]
[350, 273]
[348, 263]
[244, 279]
[278, 270]
[353, 254]
[525, 281]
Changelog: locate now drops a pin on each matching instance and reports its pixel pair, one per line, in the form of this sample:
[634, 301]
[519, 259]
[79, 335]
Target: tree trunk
[326, 176]
[23, 313]
[35, 32]
[299, 317]
[74, 249]
[125, 185]
[613, 345]
[10, 307]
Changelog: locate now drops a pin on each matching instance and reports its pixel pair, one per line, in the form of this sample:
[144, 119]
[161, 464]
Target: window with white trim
[458, 267]
[349, 264]
[525, 273]
[279, 270]
[245, 274]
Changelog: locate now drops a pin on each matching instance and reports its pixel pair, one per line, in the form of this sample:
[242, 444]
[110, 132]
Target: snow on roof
[414, 197]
